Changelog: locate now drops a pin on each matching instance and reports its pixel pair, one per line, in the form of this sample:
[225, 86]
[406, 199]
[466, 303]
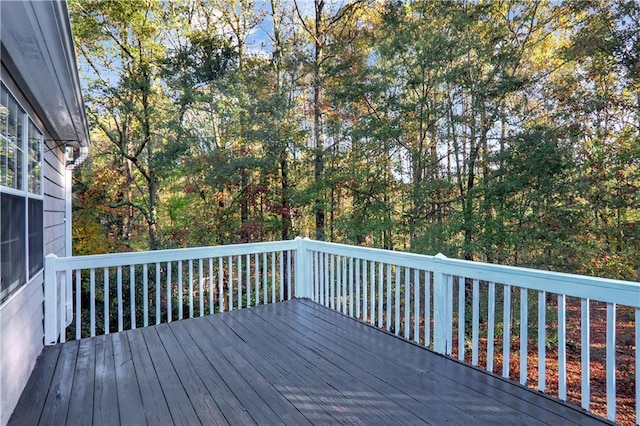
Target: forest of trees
[501, 131]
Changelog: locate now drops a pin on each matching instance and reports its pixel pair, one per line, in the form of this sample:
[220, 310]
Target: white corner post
[442, 307]
[50, 300]
[299, 268]
[303, 271]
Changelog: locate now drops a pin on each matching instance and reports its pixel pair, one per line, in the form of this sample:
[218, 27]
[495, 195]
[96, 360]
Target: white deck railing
[429, 299]
[138, 289]
[451, 306]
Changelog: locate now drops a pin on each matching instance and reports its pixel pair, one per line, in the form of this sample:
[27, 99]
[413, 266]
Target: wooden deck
[293, 362]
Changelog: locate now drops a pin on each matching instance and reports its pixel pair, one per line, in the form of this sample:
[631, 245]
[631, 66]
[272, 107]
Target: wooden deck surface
[294, 362]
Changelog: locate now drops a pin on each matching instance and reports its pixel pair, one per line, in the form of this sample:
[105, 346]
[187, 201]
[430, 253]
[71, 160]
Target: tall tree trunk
[388, 240]
[285, 214]
[467, 212]
[153, 213]
[285, 206]
[318, 135]
[152, 179]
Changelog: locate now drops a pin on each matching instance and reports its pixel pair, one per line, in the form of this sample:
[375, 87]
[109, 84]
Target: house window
[21, 201]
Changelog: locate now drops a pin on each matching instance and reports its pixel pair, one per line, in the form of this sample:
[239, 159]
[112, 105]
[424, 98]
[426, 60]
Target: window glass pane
[21, 227]
[12, 157]
[4, 161]
[4, 142]
[35, 139]
[12, 118]
[12, 243]
[11, 145]
[19, 148]
[19, 168]
[36, 244]
[4, 112]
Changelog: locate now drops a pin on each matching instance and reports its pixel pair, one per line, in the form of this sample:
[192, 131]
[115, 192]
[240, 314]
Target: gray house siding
[53, 168]
[21, 315]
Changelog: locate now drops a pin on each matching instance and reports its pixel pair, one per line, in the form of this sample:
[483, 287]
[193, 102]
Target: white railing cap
[171, 255]
[601, 289]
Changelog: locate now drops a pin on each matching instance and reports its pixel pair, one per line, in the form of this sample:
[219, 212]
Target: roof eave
[37, 49]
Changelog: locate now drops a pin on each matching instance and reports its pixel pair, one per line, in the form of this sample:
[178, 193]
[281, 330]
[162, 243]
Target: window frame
[24, 145]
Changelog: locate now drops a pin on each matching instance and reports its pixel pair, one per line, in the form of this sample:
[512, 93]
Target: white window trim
[24, 191]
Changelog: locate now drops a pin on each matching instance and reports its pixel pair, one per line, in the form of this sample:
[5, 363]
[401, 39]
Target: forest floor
[625, 369]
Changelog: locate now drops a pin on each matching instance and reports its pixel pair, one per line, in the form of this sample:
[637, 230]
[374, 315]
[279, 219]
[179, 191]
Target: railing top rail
[419, 261]
[136, 258]
[602, 289]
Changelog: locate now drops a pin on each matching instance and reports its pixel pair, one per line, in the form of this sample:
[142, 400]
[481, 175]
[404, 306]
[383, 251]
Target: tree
[497, 131]
[118, 43]
[325, 31]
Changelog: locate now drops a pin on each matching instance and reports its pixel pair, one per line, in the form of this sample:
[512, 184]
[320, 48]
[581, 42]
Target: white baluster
[611, 361]
[475, 319]
[105, 283]
[491, 326]
[562, 348]
[78, 305]
[132, 294]
[92, 301]
[542, 341]
[119, 295]
[461, 317]
[506, 335]
[585, 353]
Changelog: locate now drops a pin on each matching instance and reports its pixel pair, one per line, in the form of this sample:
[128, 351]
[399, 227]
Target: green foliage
[501, 132]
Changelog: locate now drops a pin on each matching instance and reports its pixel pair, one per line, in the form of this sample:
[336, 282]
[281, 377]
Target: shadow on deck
[293, 362]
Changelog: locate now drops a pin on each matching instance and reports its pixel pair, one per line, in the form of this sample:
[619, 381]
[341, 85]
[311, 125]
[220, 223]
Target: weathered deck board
[180, 406]
[38, 386]
[293, 362]
[364, 397]
[188, 334]
[363, 362]
[287, 373]
[84, 384]
[105, 400]
[155, 405]
[56, 405]
[128, 390]
[518, 398]
[433, 380]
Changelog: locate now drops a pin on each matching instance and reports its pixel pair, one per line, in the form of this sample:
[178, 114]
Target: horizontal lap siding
[21, 343]
[51, 235]
[21, 317]
[54, 203]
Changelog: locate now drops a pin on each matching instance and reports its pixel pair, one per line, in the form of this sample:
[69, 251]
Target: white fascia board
[37, 49]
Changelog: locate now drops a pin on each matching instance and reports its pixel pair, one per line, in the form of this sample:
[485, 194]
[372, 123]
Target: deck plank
[182, 412]
[509, 394]
[324, 378]
[57, 403]
[204, 405]
[293, 362]
[238, 356]
[105, 402]
[372, 399]
[83, 384]
[128, 390]
[156, 410]
[421, 384]
[460, 393]
[261, 412]
[285, 370]
[232, 409]
[32, 400]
